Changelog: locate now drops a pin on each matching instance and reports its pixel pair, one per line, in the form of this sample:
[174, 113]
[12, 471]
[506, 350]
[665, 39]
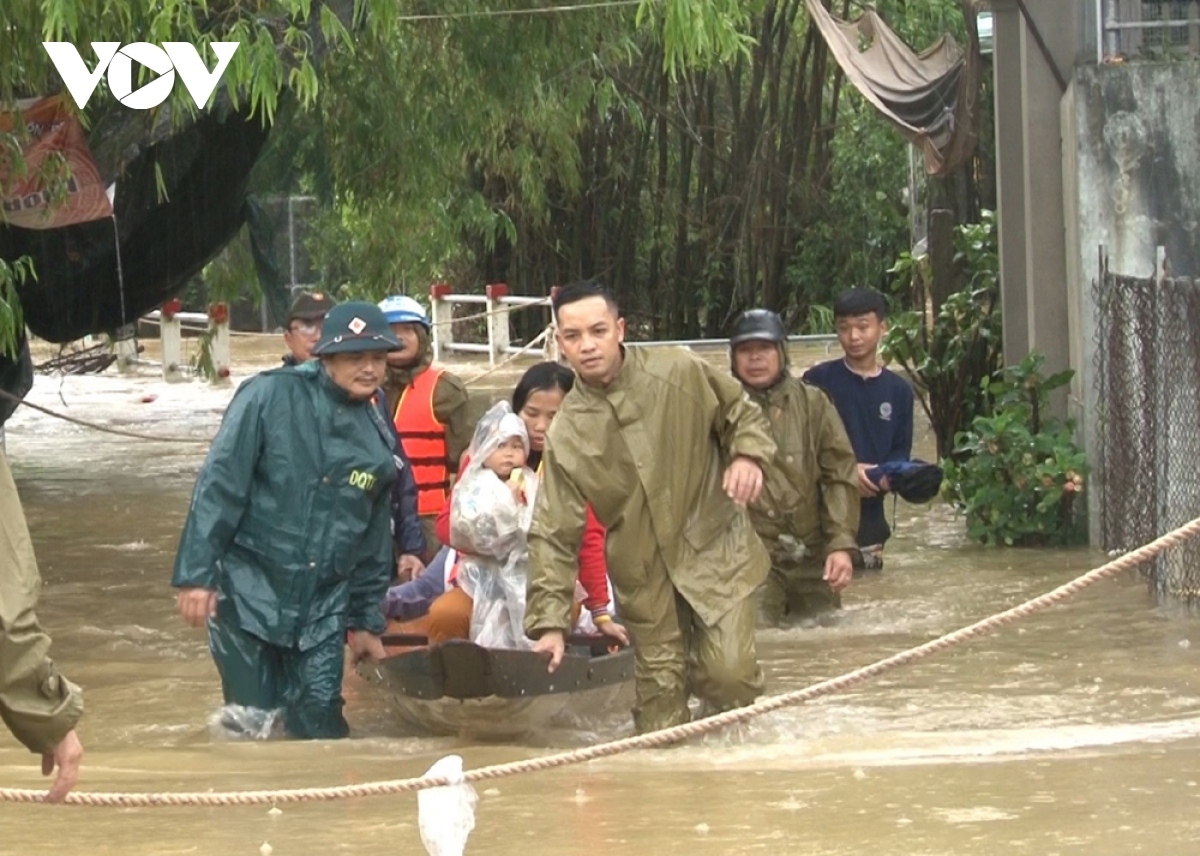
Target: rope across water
[642, 741]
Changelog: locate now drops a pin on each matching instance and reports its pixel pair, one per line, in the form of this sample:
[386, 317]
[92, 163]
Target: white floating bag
[446, 815]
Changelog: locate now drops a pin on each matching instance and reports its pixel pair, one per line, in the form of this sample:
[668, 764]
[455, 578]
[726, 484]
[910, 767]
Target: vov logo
[118, 61]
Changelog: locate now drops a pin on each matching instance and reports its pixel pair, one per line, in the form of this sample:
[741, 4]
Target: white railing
[826, 339]
[170, 325]
[497, 306]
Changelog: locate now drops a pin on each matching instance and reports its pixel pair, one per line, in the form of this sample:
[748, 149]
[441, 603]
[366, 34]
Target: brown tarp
[930, 97]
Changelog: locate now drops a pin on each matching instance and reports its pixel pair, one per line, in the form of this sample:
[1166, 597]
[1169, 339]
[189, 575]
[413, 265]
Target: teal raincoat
[290, 524]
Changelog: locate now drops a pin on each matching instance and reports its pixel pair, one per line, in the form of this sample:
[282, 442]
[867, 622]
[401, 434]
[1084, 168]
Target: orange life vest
[423, 439]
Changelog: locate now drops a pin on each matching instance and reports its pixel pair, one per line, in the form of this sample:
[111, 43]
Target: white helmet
[402, 309]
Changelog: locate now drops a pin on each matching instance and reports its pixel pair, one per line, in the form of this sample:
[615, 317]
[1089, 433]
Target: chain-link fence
[1148, 420]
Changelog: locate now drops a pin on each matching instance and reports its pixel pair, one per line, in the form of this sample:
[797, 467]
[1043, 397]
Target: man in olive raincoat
[431, 411]
[807, 514]
[287, 545]
[668, 451]
[39, 706]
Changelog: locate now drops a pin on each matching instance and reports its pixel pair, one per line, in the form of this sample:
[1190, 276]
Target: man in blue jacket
[287, 550]
[876, 406]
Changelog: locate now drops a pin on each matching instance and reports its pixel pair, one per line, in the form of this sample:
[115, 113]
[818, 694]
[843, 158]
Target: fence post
[1164, 388]
[552, 354]
[218, 322]
[126, 346]
[441, 314]
[497, 321]
[171, 337]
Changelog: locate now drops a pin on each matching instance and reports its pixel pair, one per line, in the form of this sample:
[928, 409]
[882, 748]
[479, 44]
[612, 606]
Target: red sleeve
[593, 568]
[441, 526]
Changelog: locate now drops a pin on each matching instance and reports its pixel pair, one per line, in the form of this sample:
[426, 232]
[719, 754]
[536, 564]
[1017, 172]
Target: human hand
[364, 645]
[409, 567]
[866, 487]
[196, 605]
[553, 643]
[839, 569]
[516, 483]
[615, 630]
[743, 480]
[67, 756]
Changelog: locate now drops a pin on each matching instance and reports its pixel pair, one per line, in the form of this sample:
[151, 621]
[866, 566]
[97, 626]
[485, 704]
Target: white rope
[664, 737]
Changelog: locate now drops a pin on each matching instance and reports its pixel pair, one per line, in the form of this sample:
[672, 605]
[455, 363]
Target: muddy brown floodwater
[1076, 731]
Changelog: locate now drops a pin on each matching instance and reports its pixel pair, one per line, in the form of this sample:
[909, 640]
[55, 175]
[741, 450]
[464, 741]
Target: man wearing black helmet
[807, 514]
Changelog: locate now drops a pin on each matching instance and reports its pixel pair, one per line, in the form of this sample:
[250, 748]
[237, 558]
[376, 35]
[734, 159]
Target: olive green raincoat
[38, 705]
[810, 503]
[451, 407]
[290, 524]
[649, 453]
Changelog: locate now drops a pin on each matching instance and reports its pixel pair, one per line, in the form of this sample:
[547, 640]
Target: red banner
[24, 201]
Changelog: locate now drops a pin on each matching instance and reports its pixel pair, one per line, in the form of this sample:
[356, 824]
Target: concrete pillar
[1010, 175]
[126, 347]
[552, 352]
[441, 314]
[1045, 242]
[497, 321]
[218, 320]
[171, 337]
[1029, 158]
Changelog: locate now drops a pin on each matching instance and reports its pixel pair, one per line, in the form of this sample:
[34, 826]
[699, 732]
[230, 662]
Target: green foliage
[951, 356]
[231, 274]
[12, 323]
[696, 33]
[820, 320]
[860, 222]
[1019, 472]
[703, 155]
[439, 136]
[276, 51]
[202, 361]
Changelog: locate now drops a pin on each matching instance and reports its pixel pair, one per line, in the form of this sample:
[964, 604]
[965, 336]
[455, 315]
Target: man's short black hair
[860, 301]
[581, 290]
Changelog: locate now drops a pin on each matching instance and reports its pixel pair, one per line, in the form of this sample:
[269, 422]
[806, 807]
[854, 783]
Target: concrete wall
[1131, 182]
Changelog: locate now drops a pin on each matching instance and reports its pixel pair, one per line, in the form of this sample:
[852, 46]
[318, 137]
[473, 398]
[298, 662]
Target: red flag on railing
[23, 199]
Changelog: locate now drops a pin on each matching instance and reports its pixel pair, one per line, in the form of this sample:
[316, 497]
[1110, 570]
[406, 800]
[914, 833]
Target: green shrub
[950, 356]
[1017, 473]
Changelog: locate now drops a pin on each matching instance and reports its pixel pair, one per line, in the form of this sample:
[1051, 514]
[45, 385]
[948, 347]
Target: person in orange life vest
[536, 399]
[431, 411]
[407, 535]
[302, 328]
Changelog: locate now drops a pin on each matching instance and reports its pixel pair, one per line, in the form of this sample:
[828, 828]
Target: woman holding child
[536, 401]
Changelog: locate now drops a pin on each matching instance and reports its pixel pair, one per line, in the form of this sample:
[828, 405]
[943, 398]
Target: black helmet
[758, 324]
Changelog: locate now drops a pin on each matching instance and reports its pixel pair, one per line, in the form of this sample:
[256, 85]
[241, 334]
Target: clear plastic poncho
[491, 527]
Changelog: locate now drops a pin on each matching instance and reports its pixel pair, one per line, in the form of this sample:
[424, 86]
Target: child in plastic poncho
[491, 509]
